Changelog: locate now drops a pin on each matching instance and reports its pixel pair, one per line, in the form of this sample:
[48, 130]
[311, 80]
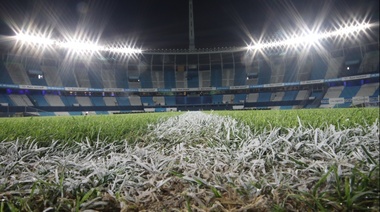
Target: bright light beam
[81, 46]
[74, 45]
[33, 39]
[311, 38]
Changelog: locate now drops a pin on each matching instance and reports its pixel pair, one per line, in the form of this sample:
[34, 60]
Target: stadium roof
[156, 24]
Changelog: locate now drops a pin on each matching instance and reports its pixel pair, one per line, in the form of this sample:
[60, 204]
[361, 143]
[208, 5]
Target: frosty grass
[194, 161]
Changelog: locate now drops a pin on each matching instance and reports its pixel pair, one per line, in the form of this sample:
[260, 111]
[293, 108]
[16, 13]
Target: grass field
[293, 160]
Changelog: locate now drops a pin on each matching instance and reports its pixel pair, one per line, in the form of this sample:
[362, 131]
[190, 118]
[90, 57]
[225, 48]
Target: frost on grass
[193, 161]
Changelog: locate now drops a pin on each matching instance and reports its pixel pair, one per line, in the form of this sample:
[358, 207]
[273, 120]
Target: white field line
[196, 150]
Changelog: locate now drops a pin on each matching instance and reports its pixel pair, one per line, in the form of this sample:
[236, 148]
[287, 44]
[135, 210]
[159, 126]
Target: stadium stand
[110, 101]
[39, 100]
[277, 96]
[97, 101]
[123, 101]
[18, 74]
[84, 101]
[252, 97]
[135, 100]
[221, 80]
[370, 63]
[51, 76]
[159, 100]
[20, 100]
[170, 100]
[54, 100]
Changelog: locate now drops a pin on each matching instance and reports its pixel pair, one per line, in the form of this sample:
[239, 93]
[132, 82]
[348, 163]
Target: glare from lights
[311, 38]
[33, 39]
[81, 46]
[124, 50]
[78, 46]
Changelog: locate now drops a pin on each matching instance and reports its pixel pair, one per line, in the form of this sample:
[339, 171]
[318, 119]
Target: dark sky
[164, 23]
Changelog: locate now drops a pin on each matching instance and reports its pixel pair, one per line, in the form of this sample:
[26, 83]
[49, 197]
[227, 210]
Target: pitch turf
[264, 160]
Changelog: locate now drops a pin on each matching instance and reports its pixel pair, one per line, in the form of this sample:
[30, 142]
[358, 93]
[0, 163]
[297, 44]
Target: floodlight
[81, 46]
[124, 50]
[34, 39]
[75, 45]
[311, 38]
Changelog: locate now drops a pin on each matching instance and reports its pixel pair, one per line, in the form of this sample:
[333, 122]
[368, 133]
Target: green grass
[78, 128]
[132, 126]
[321, 118]
[261, 160]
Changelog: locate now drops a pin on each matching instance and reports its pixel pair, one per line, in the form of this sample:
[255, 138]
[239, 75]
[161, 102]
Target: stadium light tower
[191, 26]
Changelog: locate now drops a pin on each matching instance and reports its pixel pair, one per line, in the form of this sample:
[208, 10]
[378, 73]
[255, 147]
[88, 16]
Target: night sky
[163, 24]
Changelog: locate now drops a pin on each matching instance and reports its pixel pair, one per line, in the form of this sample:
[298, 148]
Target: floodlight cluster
[307, 37]
[310, 38]
[75, 45]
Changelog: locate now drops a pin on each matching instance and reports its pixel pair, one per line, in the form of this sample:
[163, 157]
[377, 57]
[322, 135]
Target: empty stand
[228, 98]
[39, 100]
[240, 74]
[228, 77]
[68, 76]
[51, 76]
[97, 101]
[277, 96]
[69, 100]
[110, 101]
[18, 74]
[319, 67]
[158, 79]
[370, 63]
[62, 113]
[121, 77]
[303, 69]
[20, 100]
[84, 100]
[180, 79]
[335, 65]
[264, 97]
[81, 74]
[133, 74]
[123, 101]
[239, 98]
[5, 99]
[302, 95]
[334, 92]
[217, 99]
[159, 100]
[145, 77]
[108, 78]
[265, 71]
[252, 97]
[192, 78]
[169, 77]
[290, 96]
[135, 100]
[216, 75]
[147, 101]
[368, 89]
[54, 100]
[252, 73]
[349, 91]
[278, 70]
[95, 78]
[170, 100]
[4, 76]
[205, 78]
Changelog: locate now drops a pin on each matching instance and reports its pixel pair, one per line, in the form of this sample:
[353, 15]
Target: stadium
[192, 95]
[336, 67]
